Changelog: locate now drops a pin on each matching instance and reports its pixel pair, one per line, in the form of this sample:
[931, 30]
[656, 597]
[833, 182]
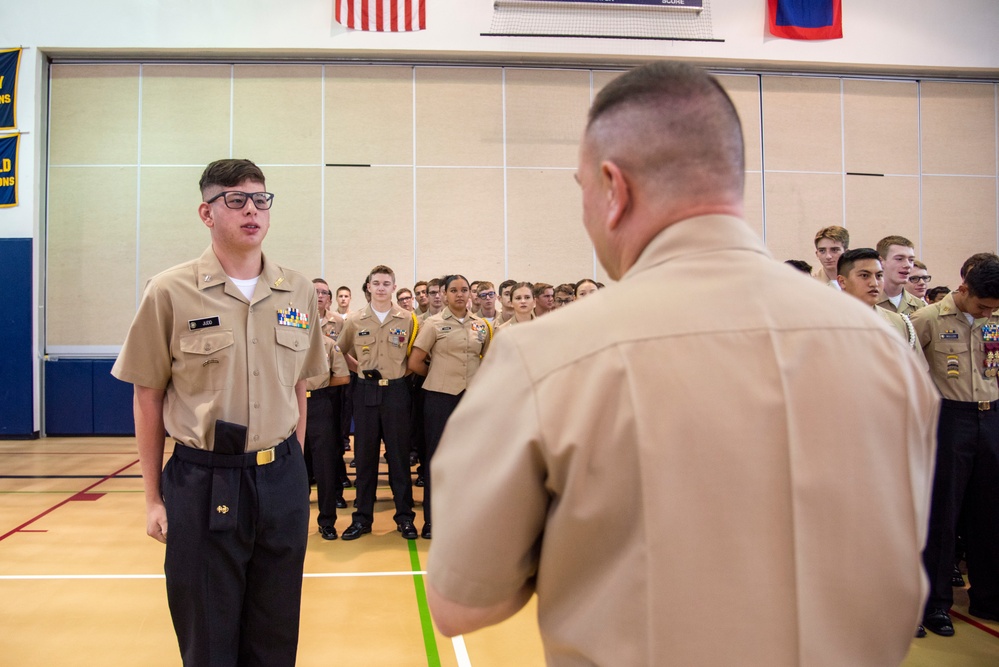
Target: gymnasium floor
[81, 584]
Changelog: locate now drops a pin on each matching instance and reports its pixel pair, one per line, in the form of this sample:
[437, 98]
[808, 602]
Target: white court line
[307, 575]
[460, 652]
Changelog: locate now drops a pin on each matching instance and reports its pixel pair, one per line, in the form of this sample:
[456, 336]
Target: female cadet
[584, 287]
[522, 296]
[457, 340]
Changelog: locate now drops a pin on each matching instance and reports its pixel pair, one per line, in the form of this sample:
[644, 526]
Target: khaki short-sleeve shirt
[219, 356]
[455, 350]
[957, 351]
[907, 306]
[381, 346]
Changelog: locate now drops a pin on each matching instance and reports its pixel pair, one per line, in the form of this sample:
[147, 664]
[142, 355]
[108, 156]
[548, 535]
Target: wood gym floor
[81, 584]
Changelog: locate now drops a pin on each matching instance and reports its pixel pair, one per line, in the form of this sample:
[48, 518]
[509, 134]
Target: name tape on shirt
[204, 323]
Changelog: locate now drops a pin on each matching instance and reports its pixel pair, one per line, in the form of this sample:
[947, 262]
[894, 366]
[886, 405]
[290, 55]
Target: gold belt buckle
[383, 382]
[984, 406]
[308, 394]
[265, 456]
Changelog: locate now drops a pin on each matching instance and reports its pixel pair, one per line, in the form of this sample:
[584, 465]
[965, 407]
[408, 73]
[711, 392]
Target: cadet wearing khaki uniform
[907, 306]
[382, 409]
[964, 357]
[224, 373]
[455, 348]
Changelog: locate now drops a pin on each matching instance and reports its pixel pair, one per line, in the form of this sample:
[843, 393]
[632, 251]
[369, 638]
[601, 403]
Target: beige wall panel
[753, 203]
[878, 207]
[94, 114]
[369, 221]
[277, 113]
[185, 113]
[802, 126]
[881, 126]
[459, 116]
[548, 242]
[369, 114]
[745, 94]
[296, 218]
[959, 220]
[958, 122]
[545, 116]
[170, 230]
[459, 220]
[602, 77]
[797, 206]
[90, 291]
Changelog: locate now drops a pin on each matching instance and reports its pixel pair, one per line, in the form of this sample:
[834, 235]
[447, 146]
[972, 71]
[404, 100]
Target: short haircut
[934, 292]
[920, 265]
[421, 282]
[982, 279]
[381, 268]
[403, 290]
[834, 233]
[343, 288]
[227, 173]
[320, 280]
[661, 105]
[508, 283]
[801, 265]
[889, 241]
[541, 287]
[483, 284]
[851, 257]
[975, 259]
[566, 288]
[433, 282]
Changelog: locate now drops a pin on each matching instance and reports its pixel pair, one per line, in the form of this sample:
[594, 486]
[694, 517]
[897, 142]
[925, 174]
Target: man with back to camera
[219, 353]
[898, 256]
[960, 338]
[748, 486]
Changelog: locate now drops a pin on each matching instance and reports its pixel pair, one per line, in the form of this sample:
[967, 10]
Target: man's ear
[618, 192]
[841, 281]
[205, 213]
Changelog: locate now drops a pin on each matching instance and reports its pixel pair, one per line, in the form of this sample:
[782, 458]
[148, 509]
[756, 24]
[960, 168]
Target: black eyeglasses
[487, 295]
[324, 292]
[920, 279]
[405, 298]
[563, 302]
[237, 200]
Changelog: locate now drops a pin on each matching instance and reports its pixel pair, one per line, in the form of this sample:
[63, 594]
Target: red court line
[971, 621]
[75, 496]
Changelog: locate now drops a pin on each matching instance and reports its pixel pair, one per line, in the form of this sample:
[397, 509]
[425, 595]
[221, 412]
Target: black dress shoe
[355, 530]
[419, 481]
[956, 580]
[425, 533]
[413, 459]
[407, 529]
[920, 632]
[341, 504]
[328, 532]
[346, 483]
[937, 621]
[352, 464]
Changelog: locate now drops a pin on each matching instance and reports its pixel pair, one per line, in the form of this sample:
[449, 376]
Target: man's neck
[381, 306]
[490, 312]
[434, 311]
[341, 311]
[892, 289]
[243, 266]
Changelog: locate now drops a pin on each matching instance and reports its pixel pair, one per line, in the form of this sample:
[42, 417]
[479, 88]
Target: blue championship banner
[9, 61]
[8, 170]
[679, 4]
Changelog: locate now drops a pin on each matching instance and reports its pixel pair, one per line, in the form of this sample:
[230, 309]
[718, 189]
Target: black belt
[970, 406]
[381, 382]
[212, 460]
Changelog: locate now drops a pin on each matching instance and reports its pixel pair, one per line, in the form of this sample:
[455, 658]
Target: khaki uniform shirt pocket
[205, 360]
[290, 351]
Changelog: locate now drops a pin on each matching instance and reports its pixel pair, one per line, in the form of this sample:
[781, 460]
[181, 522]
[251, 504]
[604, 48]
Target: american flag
[381, 15]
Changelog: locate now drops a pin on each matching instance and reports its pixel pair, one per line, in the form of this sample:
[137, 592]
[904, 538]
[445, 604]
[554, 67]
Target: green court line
[429, 638]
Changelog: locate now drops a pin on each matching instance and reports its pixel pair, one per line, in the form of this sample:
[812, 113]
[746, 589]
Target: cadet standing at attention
[376, 341]
[219, 353]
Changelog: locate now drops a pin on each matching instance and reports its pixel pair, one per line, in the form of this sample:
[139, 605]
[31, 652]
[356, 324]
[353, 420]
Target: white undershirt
[380, 315]
[245, 286]
[895, 300]
[971, 320]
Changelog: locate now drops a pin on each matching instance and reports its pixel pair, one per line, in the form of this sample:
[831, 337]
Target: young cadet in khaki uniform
[452, 343]
[377, 347]
[522, 298]
[322, 433]
[960, 338]
[898, 256]
[219, 353]
[860, 275]
[600, 466]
